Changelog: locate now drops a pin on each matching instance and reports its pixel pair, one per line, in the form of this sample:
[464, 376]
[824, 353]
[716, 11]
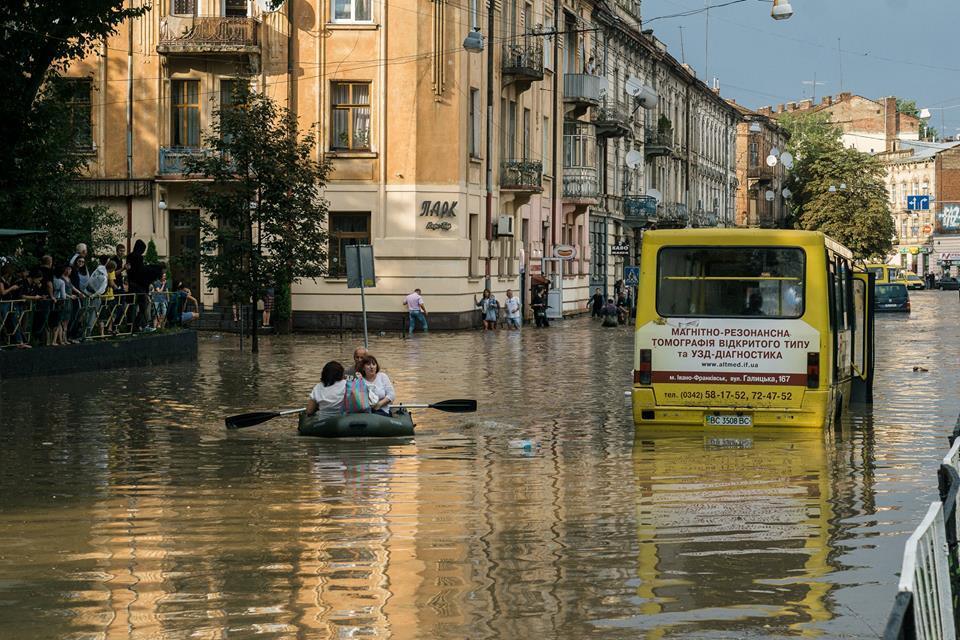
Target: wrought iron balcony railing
[173, 160]
[703, 219]
[673, 214]
[521, 175]
[658, 141]
[523, 60]
[639, 210]
[612, 118]
[760, 171]
[208, 34]
[580, 184]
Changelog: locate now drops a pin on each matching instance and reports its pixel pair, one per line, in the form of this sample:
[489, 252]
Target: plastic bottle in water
[526, 445]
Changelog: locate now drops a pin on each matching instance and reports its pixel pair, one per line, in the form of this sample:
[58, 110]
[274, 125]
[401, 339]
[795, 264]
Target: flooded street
[128, 511]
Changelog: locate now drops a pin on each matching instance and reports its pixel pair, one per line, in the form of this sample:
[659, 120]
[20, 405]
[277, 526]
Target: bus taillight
[642, 374]
[813, 370]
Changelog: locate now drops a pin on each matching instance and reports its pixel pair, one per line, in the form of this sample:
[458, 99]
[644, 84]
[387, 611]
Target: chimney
[827, 101]
[779, 108]
[791, 106]
[767, 111]
[806, 104]
[890, 122]
[843, 96]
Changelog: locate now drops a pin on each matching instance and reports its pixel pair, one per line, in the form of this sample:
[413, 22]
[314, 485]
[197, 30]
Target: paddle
[450, 406]
[258, 417]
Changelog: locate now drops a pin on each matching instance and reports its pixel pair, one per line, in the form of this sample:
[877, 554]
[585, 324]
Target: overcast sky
[886, 47]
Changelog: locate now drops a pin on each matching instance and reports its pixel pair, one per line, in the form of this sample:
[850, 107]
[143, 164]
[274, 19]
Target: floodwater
[128, 511]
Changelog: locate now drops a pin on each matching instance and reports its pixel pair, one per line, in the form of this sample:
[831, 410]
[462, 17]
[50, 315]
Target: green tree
[263, 212]
[909, 107]
[39, 188]
[857, 215]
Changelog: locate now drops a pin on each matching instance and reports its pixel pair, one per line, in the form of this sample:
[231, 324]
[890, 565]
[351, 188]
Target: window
[346, 229]
[184, 7]
[474, 267]
[351, 116]
[547, 42]
[228, 96]
[730, 282]
[80, 112]
[754, 154]
[235, 8]
[545, 152]
[185, 113]
[526, 134]
[511, 130]
[352, 11]
[474, 140]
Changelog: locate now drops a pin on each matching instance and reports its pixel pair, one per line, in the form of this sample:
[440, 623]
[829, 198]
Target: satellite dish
[656, 195]
[787, 193]
[634, 158]
[775, 152]
[787, 159]
[772, 160]
[633, 86]
[769, 196]
[924, 113]
[648, 97]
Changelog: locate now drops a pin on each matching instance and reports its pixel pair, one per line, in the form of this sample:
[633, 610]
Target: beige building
[760, 199]
[401, 108]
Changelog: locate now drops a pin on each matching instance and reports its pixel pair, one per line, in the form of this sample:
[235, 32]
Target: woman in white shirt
[379, 384]
[326, 399]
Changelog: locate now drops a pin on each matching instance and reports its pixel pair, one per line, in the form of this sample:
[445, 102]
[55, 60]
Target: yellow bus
[749, 327]
[885, 273]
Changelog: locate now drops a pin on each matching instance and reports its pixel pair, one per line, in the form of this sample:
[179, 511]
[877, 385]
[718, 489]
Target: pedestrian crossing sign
[631, 276]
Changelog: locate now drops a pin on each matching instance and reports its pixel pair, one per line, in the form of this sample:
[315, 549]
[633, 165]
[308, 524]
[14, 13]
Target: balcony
[658, 141]
[760, 172]
[704, 219]
[672, 215]
[639, 211]
[173, 160]
[582, 91]
[208, 35]
[613, 118]
[523, 176]
[522, 63]
[580, 185]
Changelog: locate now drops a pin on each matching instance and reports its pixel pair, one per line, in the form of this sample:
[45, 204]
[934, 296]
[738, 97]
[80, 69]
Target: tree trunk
[254, 341]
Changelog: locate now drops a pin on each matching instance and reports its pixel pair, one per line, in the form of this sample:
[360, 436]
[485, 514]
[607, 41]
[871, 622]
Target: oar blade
[249, 419]
[456, 406]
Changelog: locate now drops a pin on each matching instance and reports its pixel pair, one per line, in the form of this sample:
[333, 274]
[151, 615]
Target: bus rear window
[729, 282]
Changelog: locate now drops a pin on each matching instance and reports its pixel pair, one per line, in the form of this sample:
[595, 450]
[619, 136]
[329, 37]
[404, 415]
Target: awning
[536, 279]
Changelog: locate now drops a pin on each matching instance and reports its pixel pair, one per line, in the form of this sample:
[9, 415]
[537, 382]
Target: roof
[744, 237]
[921, 150]
[19, 233]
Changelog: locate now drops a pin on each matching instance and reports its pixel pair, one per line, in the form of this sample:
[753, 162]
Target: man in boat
[357, 368]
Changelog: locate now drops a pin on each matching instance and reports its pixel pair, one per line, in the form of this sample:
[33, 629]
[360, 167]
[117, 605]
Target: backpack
[356, 396]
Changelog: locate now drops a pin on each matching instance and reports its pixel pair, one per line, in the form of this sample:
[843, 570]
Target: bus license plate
[729, 421]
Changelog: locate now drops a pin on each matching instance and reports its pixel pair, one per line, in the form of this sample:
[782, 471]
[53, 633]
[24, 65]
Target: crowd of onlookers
[57, 303]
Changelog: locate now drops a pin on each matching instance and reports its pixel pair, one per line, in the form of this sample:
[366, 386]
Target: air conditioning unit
[505, 226]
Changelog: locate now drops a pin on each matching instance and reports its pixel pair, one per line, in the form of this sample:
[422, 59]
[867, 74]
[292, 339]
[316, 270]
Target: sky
[873, 48]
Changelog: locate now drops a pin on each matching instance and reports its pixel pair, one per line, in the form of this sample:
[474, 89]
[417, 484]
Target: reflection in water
[128, 511]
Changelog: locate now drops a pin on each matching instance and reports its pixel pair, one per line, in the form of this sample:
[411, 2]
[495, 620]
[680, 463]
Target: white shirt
[414, 302]
[382, 388]
[329, 399]
[513, 308]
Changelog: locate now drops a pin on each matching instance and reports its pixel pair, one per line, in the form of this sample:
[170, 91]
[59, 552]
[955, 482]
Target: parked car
[892, 297]
[913, 281]
[948, 284]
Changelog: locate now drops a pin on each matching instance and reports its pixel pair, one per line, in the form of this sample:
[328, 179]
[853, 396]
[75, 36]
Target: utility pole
[814, 84]
[491, 25]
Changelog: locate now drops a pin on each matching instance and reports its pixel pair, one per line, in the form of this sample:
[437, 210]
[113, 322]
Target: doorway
[184, 249]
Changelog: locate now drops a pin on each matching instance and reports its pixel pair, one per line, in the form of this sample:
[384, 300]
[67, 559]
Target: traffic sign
[631, 276]
[918, 203]
[620, 249]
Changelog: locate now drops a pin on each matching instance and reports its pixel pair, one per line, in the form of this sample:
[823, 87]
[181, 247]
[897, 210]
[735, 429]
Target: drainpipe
[491, 25]
[554, 213]
[129, 131]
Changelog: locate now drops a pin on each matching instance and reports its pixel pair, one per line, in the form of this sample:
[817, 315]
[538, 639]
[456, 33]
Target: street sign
[360, 272]
[631, 276]
[918, 203]
[620, 249]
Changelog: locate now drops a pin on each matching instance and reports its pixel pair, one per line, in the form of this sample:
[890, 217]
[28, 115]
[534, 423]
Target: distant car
[913, 281]
[892, 297]
[948, 284]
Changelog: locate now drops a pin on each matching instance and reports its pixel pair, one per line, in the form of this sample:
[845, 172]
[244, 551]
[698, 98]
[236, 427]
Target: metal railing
[524, 58]
[612, 118]
[173, 159]
[760, 171]
[639, 209]
[673, 213]
[208, 33]
[702, 218]
[580, 183]
[583, 87]
[521, 175]
[657, 141]
[32, 322]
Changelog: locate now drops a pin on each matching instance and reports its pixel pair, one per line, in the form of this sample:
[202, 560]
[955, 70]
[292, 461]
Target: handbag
[356, 396]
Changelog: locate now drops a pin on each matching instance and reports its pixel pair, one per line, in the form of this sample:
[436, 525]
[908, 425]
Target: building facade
[401, 110]
[760, 199]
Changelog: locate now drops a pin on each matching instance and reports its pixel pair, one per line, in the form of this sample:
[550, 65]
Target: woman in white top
[326, 399]
[379, 384]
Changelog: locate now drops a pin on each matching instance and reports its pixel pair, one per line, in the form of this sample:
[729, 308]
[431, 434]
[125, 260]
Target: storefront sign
[949, 218]
[439, 226]
[439, 208]
[620, 249]
[564, 252]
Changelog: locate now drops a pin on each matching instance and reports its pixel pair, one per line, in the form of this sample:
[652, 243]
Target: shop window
[345, 229]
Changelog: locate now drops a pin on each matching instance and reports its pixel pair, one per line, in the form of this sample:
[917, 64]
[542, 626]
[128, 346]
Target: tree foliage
[857, 213]
[42, 189]
[263, 212]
